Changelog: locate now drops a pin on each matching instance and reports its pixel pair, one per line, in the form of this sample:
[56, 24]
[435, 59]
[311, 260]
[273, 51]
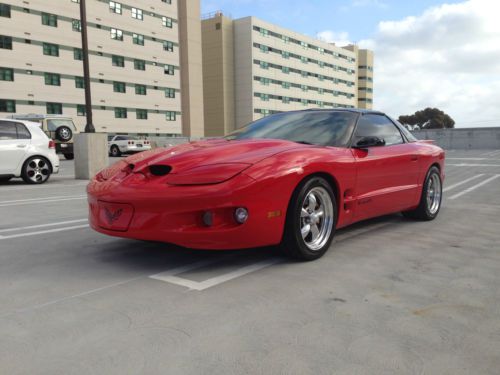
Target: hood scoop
[159, 169]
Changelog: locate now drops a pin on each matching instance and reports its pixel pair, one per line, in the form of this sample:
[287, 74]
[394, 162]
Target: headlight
[207, 174]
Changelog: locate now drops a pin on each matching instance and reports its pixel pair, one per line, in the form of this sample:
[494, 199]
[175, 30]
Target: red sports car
[291, 178]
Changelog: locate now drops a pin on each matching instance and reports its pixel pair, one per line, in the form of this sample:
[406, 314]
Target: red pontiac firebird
[289, 179]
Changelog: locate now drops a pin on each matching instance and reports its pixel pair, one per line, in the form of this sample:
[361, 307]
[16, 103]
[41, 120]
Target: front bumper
[155, 211]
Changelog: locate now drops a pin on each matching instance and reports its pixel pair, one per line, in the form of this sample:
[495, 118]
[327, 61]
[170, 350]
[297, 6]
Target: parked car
[125, 144]
[60, 129]
[26, 151]
[291, 178]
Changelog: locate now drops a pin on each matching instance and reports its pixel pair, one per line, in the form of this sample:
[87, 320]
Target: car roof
[25, 122]
[353, 110]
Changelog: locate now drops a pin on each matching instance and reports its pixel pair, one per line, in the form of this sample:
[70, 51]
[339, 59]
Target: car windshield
[325, 128]
[53, 124]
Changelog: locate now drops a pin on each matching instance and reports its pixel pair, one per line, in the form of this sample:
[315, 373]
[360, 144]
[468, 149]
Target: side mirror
[366, 142]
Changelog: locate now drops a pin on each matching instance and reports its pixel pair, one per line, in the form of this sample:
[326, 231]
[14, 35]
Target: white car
[125, 144]
[25, 151]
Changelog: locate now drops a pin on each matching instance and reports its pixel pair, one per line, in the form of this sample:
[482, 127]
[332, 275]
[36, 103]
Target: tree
[429, 118]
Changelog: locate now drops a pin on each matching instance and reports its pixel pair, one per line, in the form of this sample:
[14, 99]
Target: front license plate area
[115, 216]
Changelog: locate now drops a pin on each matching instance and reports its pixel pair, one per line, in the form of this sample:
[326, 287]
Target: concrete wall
[462, 139]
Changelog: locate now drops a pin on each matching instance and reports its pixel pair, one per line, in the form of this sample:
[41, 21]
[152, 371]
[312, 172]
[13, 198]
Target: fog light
[241, 215]
[208, 218]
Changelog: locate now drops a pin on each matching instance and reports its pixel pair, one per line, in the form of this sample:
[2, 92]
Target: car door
[12, 149]
[386, 175]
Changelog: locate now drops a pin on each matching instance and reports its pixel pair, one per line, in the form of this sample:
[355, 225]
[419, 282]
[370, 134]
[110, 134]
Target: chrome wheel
[433, 193]
[37, 170]
[316, 218]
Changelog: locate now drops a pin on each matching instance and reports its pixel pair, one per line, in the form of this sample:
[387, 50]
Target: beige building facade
[253, 68]
[135, 63]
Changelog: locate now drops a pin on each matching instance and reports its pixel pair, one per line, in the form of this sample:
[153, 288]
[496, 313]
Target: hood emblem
[113, 216]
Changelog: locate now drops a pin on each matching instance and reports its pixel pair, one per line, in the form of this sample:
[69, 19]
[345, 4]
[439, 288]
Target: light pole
[89, 127]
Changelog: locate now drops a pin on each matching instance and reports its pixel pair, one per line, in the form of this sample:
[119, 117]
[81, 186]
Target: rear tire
[69, 156]
[430, 200]
[115, 151]
[311, 220]
[36, 170]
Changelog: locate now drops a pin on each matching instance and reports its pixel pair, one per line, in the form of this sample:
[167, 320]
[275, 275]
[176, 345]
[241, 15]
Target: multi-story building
[135, 52]
[252, 68]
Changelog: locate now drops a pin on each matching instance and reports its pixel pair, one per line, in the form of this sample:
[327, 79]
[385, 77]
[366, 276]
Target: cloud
[446, 57]
[366, 3]
[339, 38]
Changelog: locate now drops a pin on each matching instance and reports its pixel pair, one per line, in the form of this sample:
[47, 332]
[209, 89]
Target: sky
[428, 53]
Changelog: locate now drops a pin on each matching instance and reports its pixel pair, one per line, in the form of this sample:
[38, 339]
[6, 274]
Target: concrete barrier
[463, 138]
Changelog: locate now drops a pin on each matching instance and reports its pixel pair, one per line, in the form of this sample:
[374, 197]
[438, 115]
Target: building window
[285, 99]
[169, 69]
[141, 114]
[170, 116]
[120, 112]
[116, 34]
[77, 54]
[118, 61]
[321, 78]
[7, 105]
[265, 81]
[115, 7]
[168, 46]
[285, 39]
[80, 110]
[139, 64]
[304, 45]
[169, 93]
[6, 74]
[321, 64]
[321, 91]
[285, 85]
[140, 90]
[50, 49]
[119, 87]
[138, 39]
[285, 69]
[167, 1]
[264, 49]
[54, 108]
[76, 25]
[285, 54]
[49, 19]
[166, 21]
[137, 14]
[5, 10]
[79, 83]
[304, 59]
[5, 42]
[52, 79]
[264, 65]
[264, 97]
[304, 87]
[264, 32]
[304, 102]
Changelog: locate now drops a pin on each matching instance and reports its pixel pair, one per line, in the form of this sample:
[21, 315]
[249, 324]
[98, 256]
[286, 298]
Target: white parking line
[21, 202]
[461, 182]
[171, 277]
[49, 185]
[475, 187]
[468, 159]
[42, 232]
[491, 153]
[42, 225]
[472, 165]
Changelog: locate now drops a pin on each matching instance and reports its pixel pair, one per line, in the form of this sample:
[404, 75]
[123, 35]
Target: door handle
[21, 146]
[414, 158]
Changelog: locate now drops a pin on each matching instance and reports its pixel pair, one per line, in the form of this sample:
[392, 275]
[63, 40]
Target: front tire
[115, 151]
[69, 156]
[430, 200]
[311, 219]
[36, 170]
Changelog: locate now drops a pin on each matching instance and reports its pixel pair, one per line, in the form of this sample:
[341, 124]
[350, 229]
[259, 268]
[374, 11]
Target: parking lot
[391, 296]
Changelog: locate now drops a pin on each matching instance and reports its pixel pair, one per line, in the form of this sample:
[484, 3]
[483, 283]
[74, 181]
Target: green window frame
[169, 92]
[264, 65]
[285, 54]
[77, 54]
[168, 46]
[169, 69]
[119, 87]
[79, 83]
[285, 69]
[285, 85]
[170, 115]
[264, 49]
[115, 7]
[120, 112]
[76, 25]
[7, 105]
[49, 19]
[166, 22]
[264, 97]
[54, 108]
[6, 74]
[138, 39]
[5, 42]
[141, 90]
[285, 99]
[117, 61]
[50, 49]
[139, 64]
[116, 34]
[5, 10]
[80, 110]
[137, 14]
[141, 114]
[52, 79]
[265, 81]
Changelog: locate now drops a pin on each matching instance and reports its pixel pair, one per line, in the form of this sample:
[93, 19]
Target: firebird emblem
[113, 216]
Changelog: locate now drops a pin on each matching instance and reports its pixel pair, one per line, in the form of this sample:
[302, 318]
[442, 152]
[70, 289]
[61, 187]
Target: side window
[110, 138]
[120, 138]
[7, 130]
[23, 132]
[378, 126]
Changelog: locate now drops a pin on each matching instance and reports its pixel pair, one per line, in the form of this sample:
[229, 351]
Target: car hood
[187, 156]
